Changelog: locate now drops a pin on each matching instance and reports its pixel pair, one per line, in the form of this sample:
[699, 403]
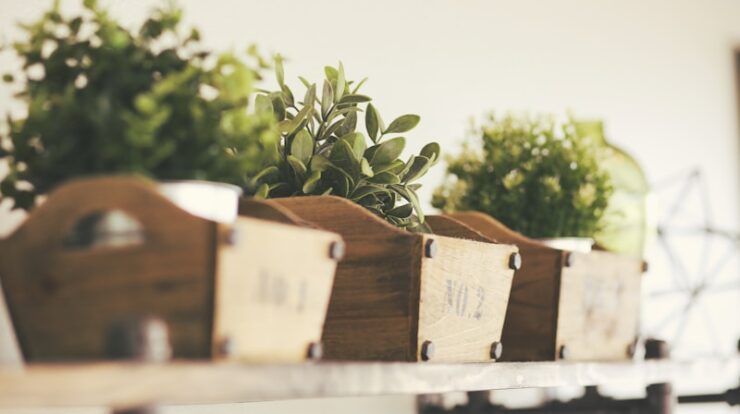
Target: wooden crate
[255, 290]
[566, 305]
[402, 296]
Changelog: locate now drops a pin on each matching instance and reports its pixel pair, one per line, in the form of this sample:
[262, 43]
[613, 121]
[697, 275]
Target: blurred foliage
[321, 151]
[537, 176]
[101, 99]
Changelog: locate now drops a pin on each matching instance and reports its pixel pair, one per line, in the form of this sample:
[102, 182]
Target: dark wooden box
[402, 296]
[255, 290]
[566, 305]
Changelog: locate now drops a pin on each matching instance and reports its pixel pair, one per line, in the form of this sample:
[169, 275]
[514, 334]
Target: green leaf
[341, 83]
[310, 96]
[431, 151]
[386, 152]
[327, 97]
[311, 182]
[401, 212]
[292, 125]
[343, 158]
[302, 146]
[385, 177]
[394, 168]
[331, 74]
[278, 106]
[320, 163]
[348, 125]
[357, 142]
[365, 168]
[372, 122]
[419, 166]
[359, 85]
[263, 191]
[279, 71]
[266, 174]
[341, 188]
[287, 95]
[263, 104]
[411, 197]
[298, 167]
[332, 129]
[353, 99]
[403, 123]
[366, 190]
[304, 81]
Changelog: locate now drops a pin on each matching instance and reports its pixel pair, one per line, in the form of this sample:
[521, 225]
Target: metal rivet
[645, 266]
[657, 349]
[564, 352]
[227, 347]
[515, 261]
[143, 339]
[430, 249]
[315, 351]
[232, 237]
[569, 259]
[496, 350]
[427, 350]
[336, 250]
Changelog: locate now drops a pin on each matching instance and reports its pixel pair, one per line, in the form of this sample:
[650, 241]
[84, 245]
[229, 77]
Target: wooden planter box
[255, 290]
[566, 305]
[402, 296]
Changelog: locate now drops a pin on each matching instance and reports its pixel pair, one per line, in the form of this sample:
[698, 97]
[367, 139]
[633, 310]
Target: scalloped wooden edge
[495, 230]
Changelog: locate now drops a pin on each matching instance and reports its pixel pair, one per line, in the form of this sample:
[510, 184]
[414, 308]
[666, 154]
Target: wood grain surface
[272, 290]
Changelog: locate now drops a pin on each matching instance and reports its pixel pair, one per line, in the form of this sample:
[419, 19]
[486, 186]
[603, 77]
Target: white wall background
[659, 72]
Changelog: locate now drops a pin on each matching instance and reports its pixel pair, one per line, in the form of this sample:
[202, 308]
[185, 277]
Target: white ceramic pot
[572, 244]
[210, 200]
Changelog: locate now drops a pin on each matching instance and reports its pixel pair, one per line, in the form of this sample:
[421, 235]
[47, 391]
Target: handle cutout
[106, 228]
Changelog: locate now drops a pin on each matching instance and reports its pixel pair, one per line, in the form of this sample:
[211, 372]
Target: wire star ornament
[693, 288]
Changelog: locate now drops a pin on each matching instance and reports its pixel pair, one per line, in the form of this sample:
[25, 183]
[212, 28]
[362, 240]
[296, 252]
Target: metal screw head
[497, 348]
[227, 347]
[232, 237]
[143, 339]
[515, 261]
[427, 350]
[656, 349]
[564, 352]
[569, 259]
[336, 250]
[430, 248]
[315, 351]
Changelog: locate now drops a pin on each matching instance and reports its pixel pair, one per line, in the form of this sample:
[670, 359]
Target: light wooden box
[256, 290]
[402, 296]
[566, 305]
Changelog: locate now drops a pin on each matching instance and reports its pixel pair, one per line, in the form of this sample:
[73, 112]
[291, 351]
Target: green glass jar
[625, 221]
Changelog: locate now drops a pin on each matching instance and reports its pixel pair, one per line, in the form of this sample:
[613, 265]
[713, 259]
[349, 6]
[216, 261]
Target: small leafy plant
[537, 176]
[102, 99]
[321, 151]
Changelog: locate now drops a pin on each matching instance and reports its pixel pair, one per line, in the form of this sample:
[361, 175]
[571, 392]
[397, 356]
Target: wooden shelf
[127, 384]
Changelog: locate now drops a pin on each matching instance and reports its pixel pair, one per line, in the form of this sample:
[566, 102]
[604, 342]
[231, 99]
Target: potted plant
[106, 106]
[539, 184]
[101, 99]
[537, 176]
[398, 295]
[322, 152]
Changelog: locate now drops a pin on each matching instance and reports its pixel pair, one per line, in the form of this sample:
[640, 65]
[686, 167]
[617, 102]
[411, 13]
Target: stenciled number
[275, 289]
[456, 299]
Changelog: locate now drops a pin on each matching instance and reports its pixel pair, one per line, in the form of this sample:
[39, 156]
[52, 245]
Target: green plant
[321, 152]
[101, 99]
[537, 176]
